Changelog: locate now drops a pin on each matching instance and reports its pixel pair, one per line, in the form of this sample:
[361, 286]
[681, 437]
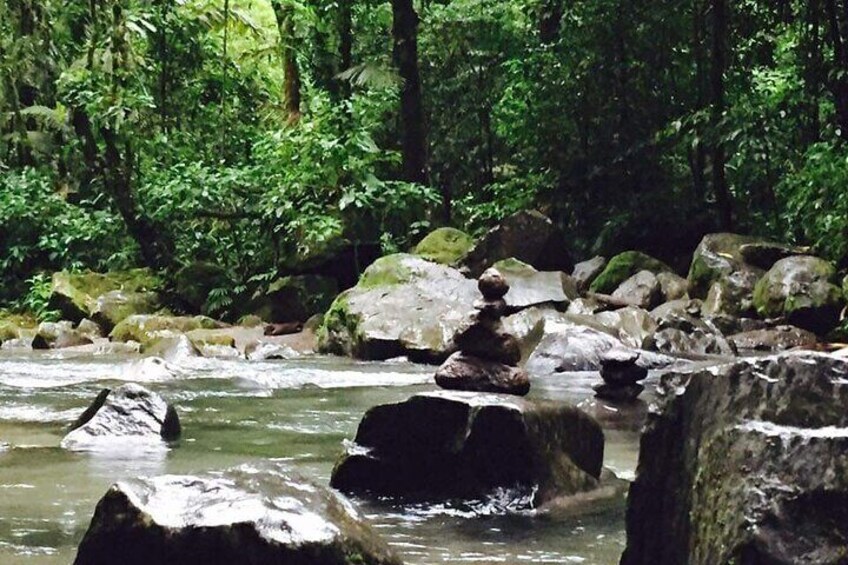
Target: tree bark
[722, 194]
[284, 13]
[413, 131]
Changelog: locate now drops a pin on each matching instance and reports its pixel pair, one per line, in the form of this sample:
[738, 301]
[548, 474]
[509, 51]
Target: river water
[295, 413]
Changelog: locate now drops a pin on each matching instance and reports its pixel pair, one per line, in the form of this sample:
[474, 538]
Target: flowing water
[296, 413]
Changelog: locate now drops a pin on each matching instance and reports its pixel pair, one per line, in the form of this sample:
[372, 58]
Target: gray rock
[716, 258]
[619, 368]
[765, 254]
[744, 463]
[115, 306]
[529, 287]
[631, 325]
[696, 343]
[402, 306]
[58, 335]
[489, 341]
[673, 286]
[587, 271]
[246, 515]
[459, 444]
[618, 393]
[527, 236]
[129, 412]
[463, 371]
[775, 339]
[642, 290]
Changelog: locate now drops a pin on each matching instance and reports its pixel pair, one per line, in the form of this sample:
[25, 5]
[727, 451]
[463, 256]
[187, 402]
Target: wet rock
[674, 310]
[246, 515]
[578, 348]
[492, 284]
[631, 325]
[129, 412]
[673, 286]
[642, 290]
[58, 335]
[263, 351]
[75, 295]
[622, 267]
[529, 287]
[731, 297]
[527, 236]
[90, 329]
[774, 340]
[744, 463]
[528, 326]
[293, 298]
[172, 348]
[490, 342]
[801, 289]
[587, 271]
[716, 258]
[619, 368]
[618, 393]
[117, 305]
[584, 307]
[146, 329]
[463, 371]
[446, 246]
[459, 444]
[402, 306]
[695, 343]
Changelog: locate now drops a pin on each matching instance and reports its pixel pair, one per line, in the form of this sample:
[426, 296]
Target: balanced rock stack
[488, 356]
[621, 375]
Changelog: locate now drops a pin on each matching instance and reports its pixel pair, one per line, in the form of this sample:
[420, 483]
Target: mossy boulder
[444, 245]
[145, 329]
[8, 331]
[802, 289]
[117, 305]
[622, 267]
[75, 295]
[194, 282]
[403, 305]
[293, 298]
[58, 335]
[717, 257]
[744, 463]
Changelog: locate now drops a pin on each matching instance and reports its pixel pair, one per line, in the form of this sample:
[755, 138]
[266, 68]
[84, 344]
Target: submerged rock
[129, 412]
[245, 515]
[464, 445]
[802, 289]
[745, 463]
[463, 371]
[527, 236]
[402, 306]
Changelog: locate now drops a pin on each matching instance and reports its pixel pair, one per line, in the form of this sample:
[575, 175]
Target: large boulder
[775, 339]
[293, 298]
[528, 236]
[803, 290]
[458, 444]
[630, 324]
[248, 515]
[744, 463]
[529, 287]
[587, 271]
[731, 297]
[74, 295]
[622, 267]
[764, 254]
[680, 333]
[402, 305]
[147, 329]
[716, 258]
[127, 413]
[444, 245]
[115, 306]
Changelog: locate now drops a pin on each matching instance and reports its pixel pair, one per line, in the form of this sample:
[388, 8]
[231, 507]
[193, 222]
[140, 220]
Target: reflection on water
[293, 412]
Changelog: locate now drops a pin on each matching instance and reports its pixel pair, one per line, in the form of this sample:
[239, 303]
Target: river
[295, 413]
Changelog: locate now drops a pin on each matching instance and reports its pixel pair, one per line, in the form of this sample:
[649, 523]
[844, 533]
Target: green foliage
[36, 300]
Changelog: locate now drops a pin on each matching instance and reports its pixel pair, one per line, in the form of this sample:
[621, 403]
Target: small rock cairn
[621, 376]
[487, 357]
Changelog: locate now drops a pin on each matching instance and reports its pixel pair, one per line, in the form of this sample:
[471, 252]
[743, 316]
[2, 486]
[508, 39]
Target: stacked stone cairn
[487, 357]
[621, 376]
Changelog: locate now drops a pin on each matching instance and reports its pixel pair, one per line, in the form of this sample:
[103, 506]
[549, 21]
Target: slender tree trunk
[839, 83]
[345, 42]
[284, 13]
[414, 139]
[550, 21]
[722, 194]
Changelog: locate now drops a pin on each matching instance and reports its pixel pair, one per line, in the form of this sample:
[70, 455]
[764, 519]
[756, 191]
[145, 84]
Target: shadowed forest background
[271, 137]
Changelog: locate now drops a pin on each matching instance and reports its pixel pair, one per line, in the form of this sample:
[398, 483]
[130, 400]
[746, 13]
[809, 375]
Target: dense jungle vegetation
[265, 134]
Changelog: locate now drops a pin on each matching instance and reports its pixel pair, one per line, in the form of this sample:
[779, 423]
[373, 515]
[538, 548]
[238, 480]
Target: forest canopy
[260, 134]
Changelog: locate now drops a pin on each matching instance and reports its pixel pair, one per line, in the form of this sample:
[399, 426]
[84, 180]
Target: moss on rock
[444, 245]
[622, 267]
[75, 295]
[146, 328]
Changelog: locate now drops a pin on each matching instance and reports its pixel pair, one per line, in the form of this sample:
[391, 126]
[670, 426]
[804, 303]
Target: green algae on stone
[444, 245]
[75, 295]
[146, 328]
[622, 267]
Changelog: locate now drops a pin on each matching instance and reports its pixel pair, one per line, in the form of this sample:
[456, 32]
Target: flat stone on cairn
[621, 375]
[488, 356]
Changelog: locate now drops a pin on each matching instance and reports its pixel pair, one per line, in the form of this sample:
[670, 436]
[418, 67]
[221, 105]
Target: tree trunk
[284, 13]
[550, 21]
[722, 194]
[839, 83]
[413, 134]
